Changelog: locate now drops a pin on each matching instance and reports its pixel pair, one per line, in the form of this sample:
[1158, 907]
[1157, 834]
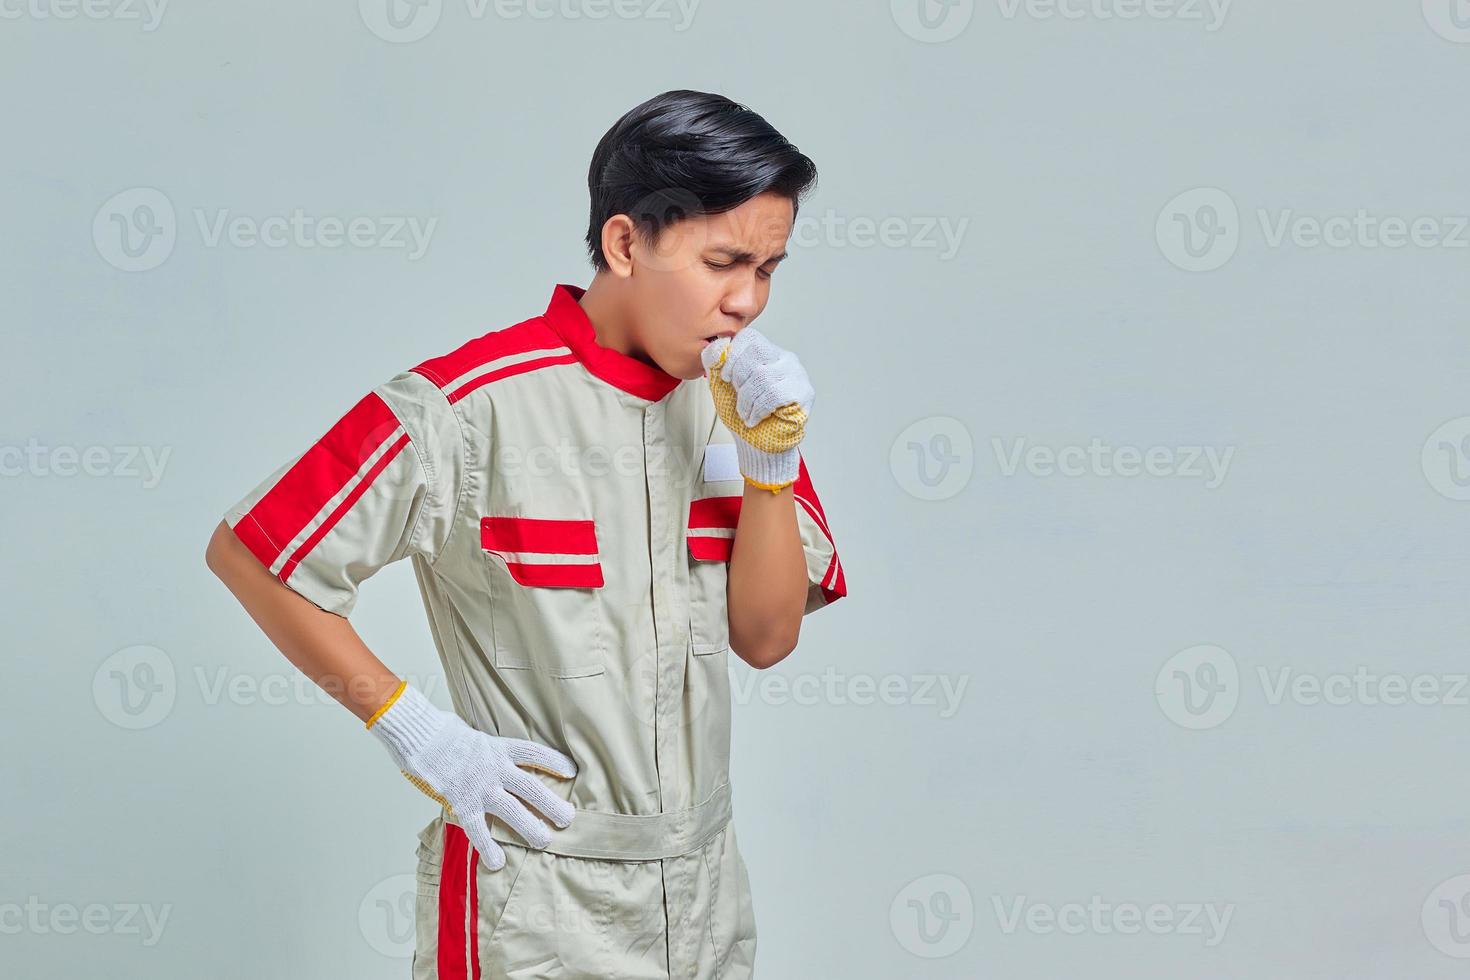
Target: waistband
[606, 836]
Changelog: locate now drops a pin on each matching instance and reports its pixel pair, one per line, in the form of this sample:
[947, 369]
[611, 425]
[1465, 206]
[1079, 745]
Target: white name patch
[720, 462]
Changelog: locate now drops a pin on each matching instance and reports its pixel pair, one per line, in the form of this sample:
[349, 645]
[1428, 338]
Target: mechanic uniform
[570, 512]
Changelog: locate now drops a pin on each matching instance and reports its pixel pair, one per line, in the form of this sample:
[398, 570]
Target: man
[599, 502]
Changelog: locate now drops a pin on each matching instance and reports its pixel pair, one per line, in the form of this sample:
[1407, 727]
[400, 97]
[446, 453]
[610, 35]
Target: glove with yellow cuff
[764, 397]
[473, 774]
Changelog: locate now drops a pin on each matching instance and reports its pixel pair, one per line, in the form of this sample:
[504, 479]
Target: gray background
[883, 839]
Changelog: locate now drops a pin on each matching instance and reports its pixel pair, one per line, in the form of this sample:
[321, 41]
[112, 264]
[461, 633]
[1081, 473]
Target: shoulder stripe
[475, 357]
[506, 368]
[494, 369]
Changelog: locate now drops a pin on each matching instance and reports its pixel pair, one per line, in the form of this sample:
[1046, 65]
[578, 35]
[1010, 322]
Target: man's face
[708, 275]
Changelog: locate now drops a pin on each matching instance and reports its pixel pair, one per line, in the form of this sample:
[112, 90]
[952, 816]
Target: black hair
[685, 153]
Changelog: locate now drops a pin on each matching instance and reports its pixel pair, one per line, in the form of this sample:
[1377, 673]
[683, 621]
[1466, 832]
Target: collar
[565, 316]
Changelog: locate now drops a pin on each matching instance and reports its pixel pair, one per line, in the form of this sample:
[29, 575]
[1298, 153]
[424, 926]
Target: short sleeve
[382, 483]
[827, 583]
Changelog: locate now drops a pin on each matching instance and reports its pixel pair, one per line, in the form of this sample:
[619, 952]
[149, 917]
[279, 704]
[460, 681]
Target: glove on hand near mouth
[764, 396]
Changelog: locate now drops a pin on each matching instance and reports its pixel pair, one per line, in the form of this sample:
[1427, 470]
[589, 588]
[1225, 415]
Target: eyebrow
[740, 255]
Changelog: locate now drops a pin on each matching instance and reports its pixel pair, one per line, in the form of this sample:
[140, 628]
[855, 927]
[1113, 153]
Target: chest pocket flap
[545, 577]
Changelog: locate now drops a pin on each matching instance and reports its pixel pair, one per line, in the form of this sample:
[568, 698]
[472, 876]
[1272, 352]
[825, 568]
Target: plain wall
[1046, 690]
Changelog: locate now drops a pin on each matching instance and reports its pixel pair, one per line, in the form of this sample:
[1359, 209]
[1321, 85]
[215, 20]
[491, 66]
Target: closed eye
[760, 272]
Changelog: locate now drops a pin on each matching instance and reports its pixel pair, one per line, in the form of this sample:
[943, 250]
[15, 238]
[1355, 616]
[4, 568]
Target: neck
[607, 307]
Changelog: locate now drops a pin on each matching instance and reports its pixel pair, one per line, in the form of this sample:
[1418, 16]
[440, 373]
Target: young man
[599, 502]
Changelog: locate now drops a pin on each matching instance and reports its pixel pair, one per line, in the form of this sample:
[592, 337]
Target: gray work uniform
[569, 511]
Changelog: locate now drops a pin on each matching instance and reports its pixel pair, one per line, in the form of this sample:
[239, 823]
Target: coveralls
[569, 511]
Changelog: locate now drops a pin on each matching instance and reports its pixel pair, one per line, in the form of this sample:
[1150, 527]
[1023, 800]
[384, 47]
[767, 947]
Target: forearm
[767, 585]
[322, 645]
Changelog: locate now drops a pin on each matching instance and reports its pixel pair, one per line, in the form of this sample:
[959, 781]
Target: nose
[742, 303]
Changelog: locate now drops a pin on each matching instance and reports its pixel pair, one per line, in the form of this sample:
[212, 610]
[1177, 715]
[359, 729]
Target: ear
[617, 245]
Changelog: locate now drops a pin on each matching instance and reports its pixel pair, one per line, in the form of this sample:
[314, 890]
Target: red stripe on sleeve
[803, 490]
[317, 477]
[253, 536]
[838, 588]
[342, 508]
[834, 582]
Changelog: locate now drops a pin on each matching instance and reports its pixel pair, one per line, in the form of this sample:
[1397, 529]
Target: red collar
[566, 316]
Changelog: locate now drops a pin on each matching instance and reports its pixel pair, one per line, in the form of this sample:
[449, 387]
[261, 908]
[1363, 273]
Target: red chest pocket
[546, 596]
[712, 522]
[543, 552]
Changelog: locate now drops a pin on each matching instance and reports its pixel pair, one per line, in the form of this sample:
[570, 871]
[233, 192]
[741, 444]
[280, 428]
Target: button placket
[668, 669]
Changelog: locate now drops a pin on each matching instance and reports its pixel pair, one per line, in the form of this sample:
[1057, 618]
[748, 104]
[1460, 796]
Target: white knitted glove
[773, 398]
[473, 773]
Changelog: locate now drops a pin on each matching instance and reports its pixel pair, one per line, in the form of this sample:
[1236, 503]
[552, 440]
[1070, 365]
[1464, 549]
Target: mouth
[716, 336]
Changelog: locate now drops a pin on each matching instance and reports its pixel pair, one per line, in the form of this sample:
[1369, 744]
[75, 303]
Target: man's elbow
[212, 552]
[221, 554]
[765, 639]
[766, 654]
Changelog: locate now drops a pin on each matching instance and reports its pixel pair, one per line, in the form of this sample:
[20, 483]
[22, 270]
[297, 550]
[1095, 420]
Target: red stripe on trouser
[342, 508]
[453, 913]
[562, 537]
[315, 478]
[473, 924]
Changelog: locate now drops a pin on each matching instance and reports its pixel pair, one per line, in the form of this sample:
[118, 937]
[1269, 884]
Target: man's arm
[378, 485]
[322, 645]
[469, 772]
[767, 587]
[783, 563]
